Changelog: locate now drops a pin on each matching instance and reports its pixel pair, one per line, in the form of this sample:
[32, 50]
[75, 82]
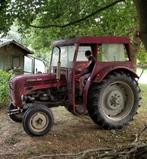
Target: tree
[141, 6]
[100, 18]
[5, 18]
[21, 10]
[68, 18]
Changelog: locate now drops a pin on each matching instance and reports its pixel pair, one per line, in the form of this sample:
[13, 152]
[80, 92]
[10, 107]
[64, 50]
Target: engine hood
[22, 85]
[33, 78]
[36, 81]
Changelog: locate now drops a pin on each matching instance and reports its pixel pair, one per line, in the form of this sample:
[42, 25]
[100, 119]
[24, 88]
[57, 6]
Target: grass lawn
[144, 97]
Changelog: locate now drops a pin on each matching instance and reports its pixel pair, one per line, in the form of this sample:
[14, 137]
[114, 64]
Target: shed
[12, 55]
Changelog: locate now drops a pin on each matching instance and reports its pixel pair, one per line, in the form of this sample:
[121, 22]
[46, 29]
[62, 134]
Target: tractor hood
[22, 85]
[33, 78]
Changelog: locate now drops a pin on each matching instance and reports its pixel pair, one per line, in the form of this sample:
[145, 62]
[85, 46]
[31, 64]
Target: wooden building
[12, 55]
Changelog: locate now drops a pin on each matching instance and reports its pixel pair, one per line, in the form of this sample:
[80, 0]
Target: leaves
[4, 78]
[72, 18]
[116, 20]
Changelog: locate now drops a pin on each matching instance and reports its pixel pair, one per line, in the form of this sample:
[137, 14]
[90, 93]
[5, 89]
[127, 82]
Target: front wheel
[114, 102]
[38, 120]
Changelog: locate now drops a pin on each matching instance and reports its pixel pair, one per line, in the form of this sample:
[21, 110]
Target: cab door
[80, 64]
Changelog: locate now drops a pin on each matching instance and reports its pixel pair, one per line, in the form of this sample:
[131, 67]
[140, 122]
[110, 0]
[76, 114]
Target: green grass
[143, 88]
[29, 151]
[11, 140]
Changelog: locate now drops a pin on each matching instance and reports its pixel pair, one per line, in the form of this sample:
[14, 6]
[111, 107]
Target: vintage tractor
[111, 95]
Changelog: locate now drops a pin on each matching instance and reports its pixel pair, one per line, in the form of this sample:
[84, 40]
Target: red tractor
[111, 95]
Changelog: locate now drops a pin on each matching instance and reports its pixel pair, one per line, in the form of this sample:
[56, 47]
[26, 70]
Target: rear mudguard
[100, 75]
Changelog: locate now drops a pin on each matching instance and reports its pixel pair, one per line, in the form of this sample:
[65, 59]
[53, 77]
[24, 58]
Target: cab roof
[92, 40]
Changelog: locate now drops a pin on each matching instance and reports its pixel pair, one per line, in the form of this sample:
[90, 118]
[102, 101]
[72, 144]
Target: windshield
[28, 65]
[32, 65]
[66, 56]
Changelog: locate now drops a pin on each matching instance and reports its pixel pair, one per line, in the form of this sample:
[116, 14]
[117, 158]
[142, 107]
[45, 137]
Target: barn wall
[2, 58]
[11, 56]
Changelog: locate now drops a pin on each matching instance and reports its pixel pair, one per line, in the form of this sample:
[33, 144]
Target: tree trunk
[136, 42]
[141, 6]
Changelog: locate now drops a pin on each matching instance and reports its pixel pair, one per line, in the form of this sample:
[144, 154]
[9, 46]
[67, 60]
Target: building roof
[4, 42]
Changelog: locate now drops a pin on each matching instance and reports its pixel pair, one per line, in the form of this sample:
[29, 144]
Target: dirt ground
[70, 134]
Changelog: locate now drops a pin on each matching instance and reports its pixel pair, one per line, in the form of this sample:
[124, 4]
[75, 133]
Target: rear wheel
[113, 103]
[38, 120]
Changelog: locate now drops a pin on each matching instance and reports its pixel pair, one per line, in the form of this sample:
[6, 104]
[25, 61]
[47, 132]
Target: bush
[142, 56]
[4, 87]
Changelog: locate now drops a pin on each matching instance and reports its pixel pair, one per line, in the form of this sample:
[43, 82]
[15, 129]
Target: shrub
[4, 87]
[142, 56]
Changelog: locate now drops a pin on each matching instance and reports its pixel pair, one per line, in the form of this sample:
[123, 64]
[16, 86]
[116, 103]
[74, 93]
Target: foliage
[4, 93]
[142, 56]
[5, 18]
[143, 95]
[141, 7]
[42, 21]
[20, 10]
[117, 20]
[66, 18]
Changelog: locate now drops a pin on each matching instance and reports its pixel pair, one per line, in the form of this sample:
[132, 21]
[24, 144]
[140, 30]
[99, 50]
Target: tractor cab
[68, 59]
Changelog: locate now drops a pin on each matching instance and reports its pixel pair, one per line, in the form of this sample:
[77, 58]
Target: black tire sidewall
[100, 117]
[132, 111]
[28, 114]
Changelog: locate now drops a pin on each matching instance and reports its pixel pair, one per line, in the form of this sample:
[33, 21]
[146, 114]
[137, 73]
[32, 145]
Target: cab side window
[112, 52]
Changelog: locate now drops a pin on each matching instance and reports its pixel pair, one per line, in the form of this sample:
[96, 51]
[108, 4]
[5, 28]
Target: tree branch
[136, 151]
[79, 20]
[79, 155]
[138, 136]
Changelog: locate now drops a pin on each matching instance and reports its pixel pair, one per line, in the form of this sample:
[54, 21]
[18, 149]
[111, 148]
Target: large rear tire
[38, 120]
[113, 103]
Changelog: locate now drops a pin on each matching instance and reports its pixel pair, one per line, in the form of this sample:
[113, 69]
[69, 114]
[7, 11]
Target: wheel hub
[114, 101]
[117, 100]
[39, 121]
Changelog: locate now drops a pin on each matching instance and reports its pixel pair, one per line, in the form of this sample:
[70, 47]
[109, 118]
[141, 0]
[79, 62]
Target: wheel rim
[117, 100]
[39, 122]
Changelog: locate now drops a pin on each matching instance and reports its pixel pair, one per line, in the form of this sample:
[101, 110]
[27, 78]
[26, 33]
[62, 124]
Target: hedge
[4, 87]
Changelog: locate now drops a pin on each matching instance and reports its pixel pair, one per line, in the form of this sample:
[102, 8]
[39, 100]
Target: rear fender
[104, 73]
[99, 76]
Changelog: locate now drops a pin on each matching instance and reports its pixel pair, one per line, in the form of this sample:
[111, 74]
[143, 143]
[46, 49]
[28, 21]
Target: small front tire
[38, 120]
